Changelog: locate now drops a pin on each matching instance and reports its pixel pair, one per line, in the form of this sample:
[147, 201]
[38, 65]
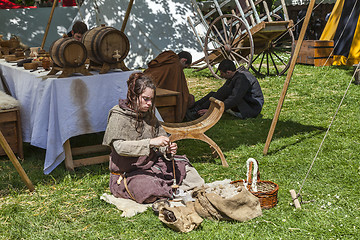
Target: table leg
[69, 163]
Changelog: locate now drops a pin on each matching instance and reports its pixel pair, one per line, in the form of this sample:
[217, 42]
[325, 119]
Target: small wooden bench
[10, 124]
[196, 129]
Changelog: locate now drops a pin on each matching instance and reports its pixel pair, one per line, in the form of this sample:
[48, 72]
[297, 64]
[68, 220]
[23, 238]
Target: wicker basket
[266, 190]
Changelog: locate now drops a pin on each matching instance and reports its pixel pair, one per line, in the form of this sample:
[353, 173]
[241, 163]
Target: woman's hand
[159, 141]
[172, 148]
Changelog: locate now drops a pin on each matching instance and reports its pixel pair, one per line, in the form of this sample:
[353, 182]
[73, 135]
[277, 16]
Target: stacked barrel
[106, 45]
[102, 45]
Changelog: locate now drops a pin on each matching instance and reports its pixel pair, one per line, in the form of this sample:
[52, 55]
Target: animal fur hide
[7, 101]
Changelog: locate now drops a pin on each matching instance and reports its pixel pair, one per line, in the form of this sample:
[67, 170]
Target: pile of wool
[222, 188]
[7, 101]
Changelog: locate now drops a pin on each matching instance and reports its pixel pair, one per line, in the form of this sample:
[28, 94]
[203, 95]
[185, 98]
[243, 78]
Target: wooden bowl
[10, 58]
[39, 63]
[30, 66]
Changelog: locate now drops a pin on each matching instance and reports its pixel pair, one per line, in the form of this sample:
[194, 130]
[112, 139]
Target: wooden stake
[48, 24]
[295, 199]
[9, 152]
[126, 15]
[288, 76]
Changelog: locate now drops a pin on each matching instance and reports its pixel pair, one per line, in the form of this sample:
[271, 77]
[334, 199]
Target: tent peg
[295, 199]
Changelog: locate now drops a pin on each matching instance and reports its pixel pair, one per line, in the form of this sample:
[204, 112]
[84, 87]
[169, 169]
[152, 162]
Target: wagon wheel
[276, 57]
[228, 37]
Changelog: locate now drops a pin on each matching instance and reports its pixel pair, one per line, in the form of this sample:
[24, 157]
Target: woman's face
[146, 99]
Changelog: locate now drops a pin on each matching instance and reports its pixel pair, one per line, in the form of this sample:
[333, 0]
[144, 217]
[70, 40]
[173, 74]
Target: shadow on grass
[33, 164]
[231, 133]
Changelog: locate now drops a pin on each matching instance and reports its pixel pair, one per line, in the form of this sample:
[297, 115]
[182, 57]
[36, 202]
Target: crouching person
[140, 161]
[241, 94]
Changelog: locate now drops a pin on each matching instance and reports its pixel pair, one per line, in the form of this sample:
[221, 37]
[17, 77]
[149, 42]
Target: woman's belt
[121, 177]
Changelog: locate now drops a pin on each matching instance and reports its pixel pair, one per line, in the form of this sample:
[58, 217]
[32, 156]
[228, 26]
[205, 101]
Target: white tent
[153, 26]
[29, 24]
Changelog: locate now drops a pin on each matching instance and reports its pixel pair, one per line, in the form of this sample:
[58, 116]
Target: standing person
[167, 71]
[78, 30]
[241, 94]
[140, 163]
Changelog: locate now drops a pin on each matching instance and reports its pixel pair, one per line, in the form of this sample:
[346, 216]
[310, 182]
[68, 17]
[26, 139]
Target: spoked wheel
[276, 56]
[228, 37]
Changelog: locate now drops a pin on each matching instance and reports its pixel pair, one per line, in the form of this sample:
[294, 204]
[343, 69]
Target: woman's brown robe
[166, 72]
[148, 175]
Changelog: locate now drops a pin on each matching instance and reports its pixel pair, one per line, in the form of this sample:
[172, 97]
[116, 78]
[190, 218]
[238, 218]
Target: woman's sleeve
[132, 148]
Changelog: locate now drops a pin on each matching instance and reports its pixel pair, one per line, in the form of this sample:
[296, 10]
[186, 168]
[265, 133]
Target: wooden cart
[250, 35]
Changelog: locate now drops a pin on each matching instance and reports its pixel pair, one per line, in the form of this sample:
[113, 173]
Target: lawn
[67, 205]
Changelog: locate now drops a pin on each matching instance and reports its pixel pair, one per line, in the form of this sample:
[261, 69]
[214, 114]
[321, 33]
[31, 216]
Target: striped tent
[343, 27]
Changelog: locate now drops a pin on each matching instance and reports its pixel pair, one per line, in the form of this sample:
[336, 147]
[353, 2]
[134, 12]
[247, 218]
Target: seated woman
[140, 163]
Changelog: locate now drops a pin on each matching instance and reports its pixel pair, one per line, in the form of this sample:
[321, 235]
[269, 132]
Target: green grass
[67, 205]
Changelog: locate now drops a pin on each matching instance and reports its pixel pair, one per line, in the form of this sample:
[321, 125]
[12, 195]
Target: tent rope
[327, 131]
[337, 110]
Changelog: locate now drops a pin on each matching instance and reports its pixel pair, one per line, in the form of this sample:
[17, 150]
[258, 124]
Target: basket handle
[252, 180]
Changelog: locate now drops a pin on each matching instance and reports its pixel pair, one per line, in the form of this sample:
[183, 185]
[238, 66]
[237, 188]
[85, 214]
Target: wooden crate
[316, 53]
[10, 127]
[166, 104]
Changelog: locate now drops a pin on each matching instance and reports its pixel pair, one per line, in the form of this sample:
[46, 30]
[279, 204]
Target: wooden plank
[257, 28]
[267, 11]
[165, 101]
[89, 149]
[10, 126]
[69, 162]
[167, 113]
[90, 161]
[8, 116]
[165, 92]
[19, 134]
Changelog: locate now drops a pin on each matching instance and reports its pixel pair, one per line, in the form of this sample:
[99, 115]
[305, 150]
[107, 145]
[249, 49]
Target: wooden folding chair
[196, 129]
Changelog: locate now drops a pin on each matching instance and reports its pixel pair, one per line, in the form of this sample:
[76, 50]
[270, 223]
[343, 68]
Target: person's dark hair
[226, 65]
[186, 55]
[137, 83]
[79, 27]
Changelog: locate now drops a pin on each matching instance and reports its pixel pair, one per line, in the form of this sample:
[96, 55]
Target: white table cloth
[56, 109]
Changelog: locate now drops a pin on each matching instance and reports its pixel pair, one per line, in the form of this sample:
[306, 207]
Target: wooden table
[165, 103]
[53, 110]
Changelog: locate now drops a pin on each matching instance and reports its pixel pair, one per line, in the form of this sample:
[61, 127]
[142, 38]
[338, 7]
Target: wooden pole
[128, 10]
[48, 24]
[288, 76]
[9, 152]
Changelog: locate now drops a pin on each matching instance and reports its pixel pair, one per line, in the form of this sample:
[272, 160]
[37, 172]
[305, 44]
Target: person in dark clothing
[78, 30]
[241, 94]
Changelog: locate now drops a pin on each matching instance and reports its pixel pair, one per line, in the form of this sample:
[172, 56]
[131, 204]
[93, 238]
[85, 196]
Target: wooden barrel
[106, 44]
[68, 52]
